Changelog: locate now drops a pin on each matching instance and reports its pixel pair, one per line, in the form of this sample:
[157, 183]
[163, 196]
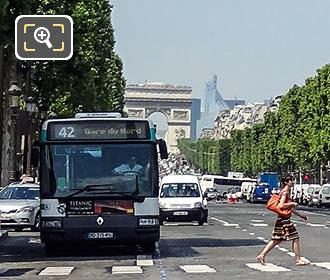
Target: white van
[181, 200]
[324, 196]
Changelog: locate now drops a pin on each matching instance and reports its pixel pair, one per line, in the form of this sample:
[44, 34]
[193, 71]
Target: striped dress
[284, 228]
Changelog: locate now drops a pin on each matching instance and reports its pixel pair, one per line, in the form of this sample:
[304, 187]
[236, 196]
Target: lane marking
[291, 254]
[244, 229]
[315, 225]
[197, 269]
[126, 269]
[251, 233]
[268, 267]
[257, 221]
[224, 223]
[35, 240]
[322, 264]
[259, 225]
[261, 238]
[144, 260]
[283, 249]
[56, 271]
[160, 262]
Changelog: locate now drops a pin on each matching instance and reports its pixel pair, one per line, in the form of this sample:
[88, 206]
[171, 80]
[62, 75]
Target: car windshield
[180, 190]
[13, 192]
[326, 190]
[310, 189]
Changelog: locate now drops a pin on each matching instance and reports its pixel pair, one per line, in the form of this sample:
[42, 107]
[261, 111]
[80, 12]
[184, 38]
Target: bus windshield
[108, 168]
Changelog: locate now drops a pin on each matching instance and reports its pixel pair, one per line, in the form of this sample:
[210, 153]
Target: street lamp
[14, 96]
[31, 107]
[42, 112]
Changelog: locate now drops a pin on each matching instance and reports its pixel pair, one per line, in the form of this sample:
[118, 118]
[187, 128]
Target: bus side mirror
[35, 153]
[162, 148]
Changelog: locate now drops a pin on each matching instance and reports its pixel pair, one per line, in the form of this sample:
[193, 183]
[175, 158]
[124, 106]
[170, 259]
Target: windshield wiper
[89, 188]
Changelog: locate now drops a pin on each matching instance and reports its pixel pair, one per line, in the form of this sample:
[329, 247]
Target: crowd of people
[176, 164]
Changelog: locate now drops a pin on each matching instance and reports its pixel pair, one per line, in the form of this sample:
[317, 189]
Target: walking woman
[284, 230]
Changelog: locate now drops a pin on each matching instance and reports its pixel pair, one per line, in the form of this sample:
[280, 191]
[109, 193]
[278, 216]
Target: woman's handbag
[272, 205]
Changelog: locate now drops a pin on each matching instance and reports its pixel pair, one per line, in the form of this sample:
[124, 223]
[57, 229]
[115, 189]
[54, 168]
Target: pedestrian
[284, 230]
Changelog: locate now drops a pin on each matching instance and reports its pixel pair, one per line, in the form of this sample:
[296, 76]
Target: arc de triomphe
[173, 101]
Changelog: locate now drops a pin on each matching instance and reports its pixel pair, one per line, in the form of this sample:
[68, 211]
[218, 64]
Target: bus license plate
[96, 235]
[180, 213]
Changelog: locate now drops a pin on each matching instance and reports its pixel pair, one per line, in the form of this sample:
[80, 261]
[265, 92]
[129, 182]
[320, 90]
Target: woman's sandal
[302, 263]
[261, 259]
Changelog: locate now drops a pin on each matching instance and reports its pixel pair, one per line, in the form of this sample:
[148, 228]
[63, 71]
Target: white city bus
[222, 184]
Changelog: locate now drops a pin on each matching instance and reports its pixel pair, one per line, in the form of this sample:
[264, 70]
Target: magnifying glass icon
[41, 35]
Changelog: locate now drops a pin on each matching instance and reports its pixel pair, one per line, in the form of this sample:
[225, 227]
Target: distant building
[214, 103]
[195, 116]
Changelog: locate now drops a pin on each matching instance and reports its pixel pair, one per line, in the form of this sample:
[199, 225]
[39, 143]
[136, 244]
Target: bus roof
[229, 178]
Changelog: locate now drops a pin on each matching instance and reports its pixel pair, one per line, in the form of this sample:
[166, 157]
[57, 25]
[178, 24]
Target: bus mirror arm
[35, 154]
[162, 148]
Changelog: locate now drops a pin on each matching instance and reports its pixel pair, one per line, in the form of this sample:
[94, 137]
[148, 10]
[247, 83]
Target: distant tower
[214, 102]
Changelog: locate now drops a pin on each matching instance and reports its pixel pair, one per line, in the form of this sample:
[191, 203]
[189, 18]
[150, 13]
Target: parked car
[324, 196]
[308, 191]
[314, 197]
[19, 206]
[211, 193]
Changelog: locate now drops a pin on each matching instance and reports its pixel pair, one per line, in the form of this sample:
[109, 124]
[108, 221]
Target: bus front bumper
[114, 230]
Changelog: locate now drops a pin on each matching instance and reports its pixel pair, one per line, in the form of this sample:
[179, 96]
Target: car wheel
[200, 222]
[19, 229]
[37, 219]
[161, 222]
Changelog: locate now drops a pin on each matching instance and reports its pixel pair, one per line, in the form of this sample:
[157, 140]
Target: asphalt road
[225, 248]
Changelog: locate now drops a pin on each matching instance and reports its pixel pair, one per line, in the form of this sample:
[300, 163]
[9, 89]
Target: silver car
[19, 206]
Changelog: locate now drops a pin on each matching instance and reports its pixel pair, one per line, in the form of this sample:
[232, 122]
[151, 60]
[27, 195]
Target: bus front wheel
[148, 248]
[50, 248]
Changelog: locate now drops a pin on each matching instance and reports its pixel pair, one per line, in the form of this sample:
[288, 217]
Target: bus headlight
[52, 224]
[197, 205]
[148, 222]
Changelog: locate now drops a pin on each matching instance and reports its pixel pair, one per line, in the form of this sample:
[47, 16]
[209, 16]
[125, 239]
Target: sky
[257, 48]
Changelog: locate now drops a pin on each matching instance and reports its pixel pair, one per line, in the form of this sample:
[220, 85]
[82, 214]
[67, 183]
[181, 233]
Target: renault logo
[100, 221]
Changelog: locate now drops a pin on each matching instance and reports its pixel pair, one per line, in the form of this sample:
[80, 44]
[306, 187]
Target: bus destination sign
[100, 130]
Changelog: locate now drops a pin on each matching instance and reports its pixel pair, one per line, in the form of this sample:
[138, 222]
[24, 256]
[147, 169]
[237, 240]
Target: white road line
[283, 249]
[257, 221]
[268, 267]
[291, 254]
[315, 225]
[322, 264]
[34, 240]
[144, 260]
[244, 229]
[197, 269]
[259, 225]
[56, 271]
[126, 269]
[251, 233]
[261, 238]
[231, 225]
